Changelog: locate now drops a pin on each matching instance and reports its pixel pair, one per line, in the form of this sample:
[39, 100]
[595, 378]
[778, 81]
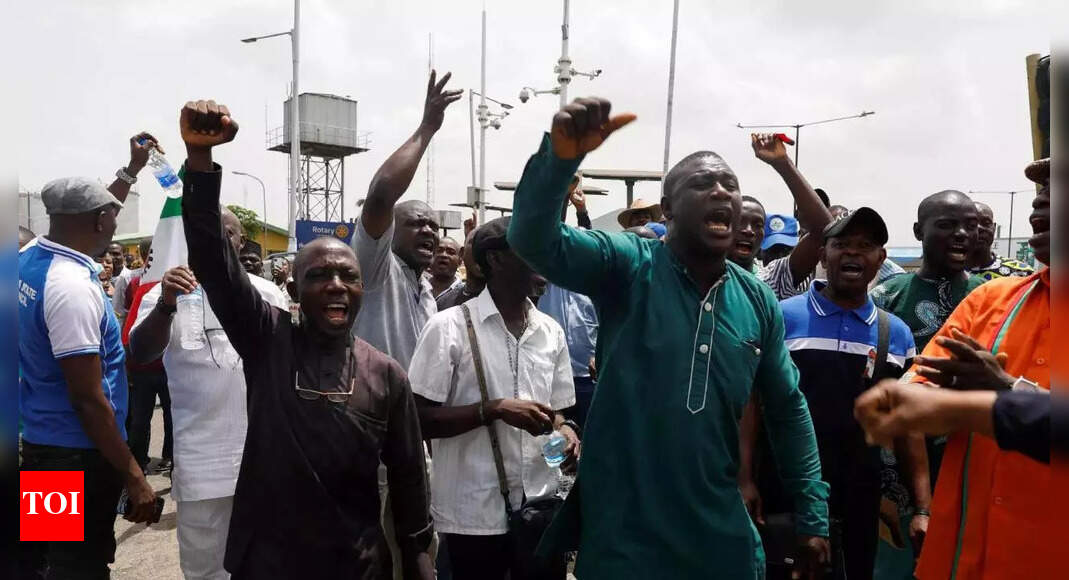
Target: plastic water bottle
[162, 171]
[553, 449]
[191, 314]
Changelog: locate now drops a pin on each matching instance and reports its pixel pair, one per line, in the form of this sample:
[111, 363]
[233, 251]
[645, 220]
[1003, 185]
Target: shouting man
[395, 243]
[324, 407]
[709, 332]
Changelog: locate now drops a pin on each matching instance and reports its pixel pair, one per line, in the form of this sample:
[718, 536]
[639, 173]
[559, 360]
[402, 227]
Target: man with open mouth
[947, 227]
[991, 513]
[442, 273]
[655, 450]
[843, 345]
[324, 407]
[395, 242]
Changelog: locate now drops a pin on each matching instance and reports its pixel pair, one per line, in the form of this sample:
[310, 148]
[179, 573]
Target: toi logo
[51, 506]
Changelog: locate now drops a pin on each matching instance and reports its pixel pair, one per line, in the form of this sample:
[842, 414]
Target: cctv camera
[495, 124]
[524, 95]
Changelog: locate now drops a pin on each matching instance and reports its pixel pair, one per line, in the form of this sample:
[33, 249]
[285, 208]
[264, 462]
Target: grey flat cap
[74, 195]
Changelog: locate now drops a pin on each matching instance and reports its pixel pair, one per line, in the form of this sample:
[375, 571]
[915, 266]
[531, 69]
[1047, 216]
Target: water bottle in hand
[191, 315]
[553, 449]
[162, 171]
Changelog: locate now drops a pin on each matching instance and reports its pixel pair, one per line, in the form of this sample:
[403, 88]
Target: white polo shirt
[464, 486]
[208, 402]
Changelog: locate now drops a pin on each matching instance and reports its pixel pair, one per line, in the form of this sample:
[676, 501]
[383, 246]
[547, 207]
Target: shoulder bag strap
[883, 340]
[495, 445]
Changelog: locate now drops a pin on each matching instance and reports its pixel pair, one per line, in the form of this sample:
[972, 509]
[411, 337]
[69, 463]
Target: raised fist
[205, 124]
[583, 126]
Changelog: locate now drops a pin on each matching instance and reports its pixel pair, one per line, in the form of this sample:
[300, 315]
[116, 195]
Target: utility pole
[671, 88]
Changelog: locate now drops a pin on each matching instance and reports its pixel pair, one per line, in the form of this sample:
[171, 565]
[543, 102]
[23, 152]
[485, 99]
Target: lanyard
[1000, 336]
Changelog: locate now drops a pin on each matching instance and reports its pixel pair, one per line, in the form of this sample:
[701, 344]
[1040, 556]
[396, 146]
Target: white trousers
[202, 531]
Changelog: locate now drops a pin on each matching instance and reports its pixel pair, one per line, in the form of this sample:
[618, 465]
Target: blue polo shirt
[63, 312]
[835, 352]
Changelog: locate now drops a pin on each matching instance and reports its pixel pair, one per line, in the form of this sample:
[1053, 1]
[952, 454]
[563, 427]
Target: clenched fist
[583, 126]
[205, 124]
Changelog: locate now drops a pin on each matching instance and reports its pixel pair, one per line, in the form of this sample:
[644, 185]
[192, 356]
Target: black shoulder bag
[527, 525]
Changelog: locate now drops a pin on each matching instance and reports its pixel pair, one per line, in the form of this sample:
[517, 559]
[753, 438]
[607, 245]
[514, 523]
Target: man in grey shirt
[395, 244]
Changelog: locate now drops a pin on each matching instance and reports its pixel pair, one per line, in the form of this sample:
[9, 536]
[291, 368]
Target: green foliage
[249, 220]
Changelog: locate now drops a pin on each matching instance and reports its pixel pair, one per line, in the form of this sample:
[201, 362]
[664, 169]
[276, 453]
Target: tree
[250, 222]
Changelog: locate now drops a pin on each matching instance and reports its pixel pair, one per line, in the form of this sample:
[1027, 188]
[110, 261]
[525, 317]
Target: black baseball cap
[865, 218]
[493, 235]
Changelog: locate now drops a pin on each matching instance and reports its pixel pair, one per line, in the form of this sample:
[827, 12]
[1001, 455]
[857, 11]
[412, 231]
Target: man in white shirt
[208, 408]
[529, 381]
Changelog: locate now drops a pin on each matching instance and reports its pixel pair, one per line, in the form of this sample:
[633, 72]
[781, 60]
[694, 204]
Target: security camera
[597, 72]
[524, 95]
[496, 124]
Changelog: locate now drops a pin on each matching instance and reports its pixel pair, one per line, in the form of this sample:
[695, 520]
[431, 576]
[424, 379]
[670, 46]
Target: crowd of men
[737, 394]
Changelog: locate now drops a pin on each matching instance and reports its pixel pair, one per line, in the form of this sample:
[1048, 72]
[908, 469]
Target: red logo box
[51, 506]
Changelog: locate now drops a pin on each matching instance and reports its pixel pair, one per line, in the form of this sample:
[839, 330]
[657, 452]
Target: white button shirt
[208, 402]
[464, 488]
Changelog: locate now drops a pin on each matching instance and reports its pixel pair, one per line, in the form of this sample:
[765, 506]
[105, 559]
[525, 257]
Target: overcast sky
[945, 77]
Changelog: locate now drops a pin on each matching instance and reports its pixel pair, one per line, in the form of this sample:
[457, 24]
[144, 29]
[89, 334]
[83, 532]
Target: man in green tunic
[685, 336]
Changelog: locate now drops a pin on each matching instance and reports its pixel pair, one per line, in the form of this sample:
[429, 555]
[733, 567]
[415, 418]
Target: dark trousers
[145, 386]
[584, 394]
[88, 559]
[858, 517]
[491, 558]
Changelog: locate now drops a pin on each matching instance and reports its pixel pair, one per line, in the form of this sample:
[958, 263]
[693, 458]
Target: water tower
[328, 134]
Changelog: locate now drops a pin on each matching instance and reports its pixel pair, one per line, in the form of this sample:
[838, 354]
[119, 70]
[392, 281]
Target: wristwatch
[575, 427]
[168, 309]
[123, 175]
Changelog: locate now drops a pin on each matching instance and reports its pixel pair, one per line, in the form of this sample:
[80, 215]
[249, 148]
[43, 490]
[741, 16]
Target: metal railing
[326, 134]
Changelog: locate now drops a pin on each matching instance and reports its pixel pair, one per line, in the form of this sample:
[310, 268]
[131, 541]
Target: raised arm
[812, 214]
[244, 315]
[393, 178]
[120, 188]
[577, 260]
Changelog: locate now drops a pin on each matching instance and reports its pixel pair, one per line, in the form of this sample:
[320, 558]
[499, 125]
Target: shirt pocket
[743, 357]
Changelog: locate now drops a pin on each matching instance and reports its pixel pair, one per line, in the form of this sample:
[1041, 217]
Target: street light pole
[295, 130]
[798, 128]
[263, 191]
[671, 88]
[483, 118]
[564, 64]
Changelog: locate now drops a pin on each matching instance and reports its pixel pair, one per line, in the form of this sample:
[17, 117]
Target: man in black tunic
[323, 406]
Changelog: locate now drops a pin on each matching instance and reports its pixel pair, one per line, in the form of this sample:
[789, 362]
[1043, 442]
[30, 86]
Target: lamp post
[671, 89]
[263, 191]
[798, 127]
[477, 192]
[1012, 194]
[295, 135]
[564, 69]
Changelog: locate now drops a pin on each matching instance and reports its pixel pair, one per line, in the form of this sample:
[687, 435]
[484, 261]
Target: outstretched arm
[812, 214]
[393, 178]
[577, 260]
[244, 315]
